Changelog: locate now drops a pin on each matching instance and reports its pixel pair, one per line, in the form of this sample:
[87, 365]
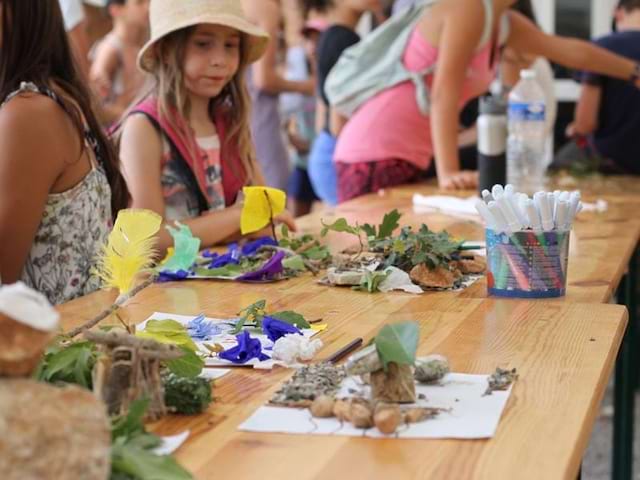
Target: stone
[52, 433]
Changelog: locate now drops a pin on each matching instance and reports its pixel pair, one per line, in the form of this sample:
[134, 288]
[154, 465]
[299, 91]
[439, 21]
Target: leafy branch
[255, 313]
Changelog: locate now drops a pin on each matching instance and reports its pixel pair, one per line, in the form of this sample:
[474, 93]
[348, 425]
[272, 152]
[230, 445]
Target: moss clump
[188, 396]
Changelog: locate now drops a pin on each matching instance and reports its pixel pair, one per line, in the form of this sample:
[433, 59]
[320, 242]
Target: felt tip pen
[562, 215]
[497, 191]
[500, 221]
[486, 214]
[542, 202]
[573, 202]
[507, 210]
[487, 197]
[522, 204]
[551, 201]
[534, 215]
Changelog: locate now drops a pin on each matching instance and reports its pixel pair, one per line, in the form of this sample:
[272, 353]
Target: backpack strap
[148, 108]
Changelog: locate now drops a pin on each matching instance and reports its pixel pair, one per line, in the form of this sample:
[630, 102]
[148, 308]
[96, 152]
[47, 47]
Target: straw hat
[167, 16]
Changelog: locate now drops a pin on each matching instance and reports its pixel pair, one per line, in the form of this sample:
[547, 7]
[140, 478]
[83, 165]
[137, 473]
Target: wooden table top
[601, 243]
[563, 350]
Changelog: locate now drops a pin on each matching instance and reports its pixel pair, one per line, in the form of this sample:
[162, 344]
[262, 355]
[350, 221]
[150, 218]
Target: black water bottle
[492, 142]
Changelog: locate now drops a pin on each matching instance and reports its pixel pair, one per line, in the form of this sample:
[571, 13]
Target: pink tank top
[390, 125]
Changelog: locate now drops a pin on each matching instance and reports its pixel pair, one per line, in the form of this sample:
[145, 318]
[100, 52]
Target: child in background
[60, 180]
[389, 142]
[301, 111]
[186, 149]
[265, 86]
[608, 111]
[343, 15]
[114, 75]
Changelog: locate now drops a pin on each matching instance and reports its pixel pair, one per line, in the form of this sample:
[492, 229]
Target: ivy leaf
[189, 365]
[169, 332]
[341, 226]
[369, 230]
[398, 246]
[398, 343]
[371, 281]
[291, 318]
[294, 263]
[389, 223]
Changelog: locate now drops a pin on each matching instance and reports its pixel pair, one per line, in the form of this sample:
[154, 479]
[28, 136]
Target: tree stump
[396, 385]
[51, 433]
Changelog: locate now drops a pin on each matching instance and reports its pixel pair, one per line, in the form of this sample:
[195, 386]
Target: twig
[149, 348]
[120, 301]
[273, 225]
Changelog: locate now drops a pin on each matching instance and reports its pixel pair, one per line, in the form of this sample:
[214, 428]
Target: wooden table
[564, 350]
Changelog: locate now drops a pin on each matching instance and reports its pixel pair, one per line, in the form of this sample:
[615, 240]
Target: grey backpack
[376, 63]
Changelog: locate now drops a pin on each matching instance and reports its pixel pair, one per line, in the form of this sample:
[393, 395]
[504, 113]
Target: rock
[345, 278]
[396, 385]
[438, 278]
[51, 433]
[365, 361]
[431, 369]
[474, 265]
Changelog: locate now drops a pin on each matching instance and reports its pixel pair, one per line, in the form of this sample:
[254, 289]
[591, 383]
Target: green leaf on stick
[168, 332]
[189, 365]
[398, 343]
[292, 318]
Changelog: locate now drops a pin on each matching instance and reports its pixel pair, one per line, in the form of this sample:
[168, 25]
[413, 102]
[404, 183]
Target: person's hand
[287, 219]
[463, 180]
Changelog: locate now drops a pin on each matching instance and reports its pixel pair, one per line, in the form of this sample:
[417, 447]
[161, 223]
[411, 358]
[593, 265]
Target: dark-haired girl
[60, 181]
[343, 15]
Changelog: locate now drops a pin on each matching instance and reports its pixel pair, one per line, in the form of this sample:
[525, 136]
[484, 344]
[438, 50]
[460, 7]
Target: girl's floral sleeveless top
[75, 224]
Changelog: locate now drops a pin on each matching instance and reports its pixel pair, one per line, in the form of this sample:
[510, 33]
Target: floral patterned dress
[75, 224]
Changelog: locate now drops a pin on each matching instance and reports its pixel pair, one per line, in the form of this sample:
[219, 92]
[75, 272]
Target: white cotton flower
[293, 347]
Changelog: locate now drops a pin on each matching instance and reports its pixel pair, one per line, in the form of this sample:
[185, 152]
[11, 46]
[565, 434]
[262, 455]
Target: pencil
[346, 350]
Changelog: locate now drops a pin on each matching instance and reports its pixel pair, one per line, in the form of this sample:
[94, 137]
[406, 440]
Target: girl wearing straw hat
[186, 148]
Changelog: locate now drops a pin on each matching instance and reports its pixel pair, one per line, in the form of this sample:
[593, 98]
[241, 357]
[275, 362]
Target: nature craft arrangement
[527, 241]
[412, 261]
[385, 390]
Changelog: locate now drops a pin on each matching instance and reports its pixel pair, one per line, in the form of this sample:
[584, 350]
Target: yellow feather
[261, 205]
[129, 249]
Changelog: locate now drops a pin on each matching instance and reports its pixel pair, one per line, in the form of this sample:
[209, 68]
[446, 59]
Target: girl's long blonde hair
[233, 101]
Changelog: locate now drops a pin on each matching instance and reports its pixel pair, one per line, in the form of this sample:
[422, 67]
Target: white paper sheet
[464, 207]
[226, 339]
[171, 444]
[470, 415]
[214, 373]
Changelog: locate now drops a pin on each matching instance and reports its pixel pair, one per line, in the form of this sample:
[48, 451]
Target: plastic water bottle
[492, 142]
[526, 145]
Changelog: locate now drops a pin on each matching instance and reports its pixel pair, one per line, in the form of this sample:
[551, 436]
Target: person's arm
[587, 109]
[266, 14]
[461, 31]
[103, 70]
[570, 52]
[79, 41]
[141, 157]
[337, 122]
[23, 194]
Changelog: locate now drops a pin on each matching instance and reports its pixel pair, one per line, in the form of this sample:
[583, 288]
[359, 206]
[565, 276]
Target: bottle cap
[527, 74]
[492, 105]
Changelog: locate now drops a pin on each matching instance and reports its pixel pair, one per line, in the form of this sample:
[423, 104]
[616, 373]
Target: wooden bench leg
[626, 379]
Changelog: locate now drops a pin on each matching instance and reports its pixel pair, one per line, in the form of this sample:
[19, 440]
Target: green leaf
[169, 332]
[389, 224]
[284, 231]
[317, 253]
[254, 313]
[71, 364]
[341, 226]
[369, 230]
[230, 270]
[398, 343]
[294, 263]
[372, 281]
[399, 246]
[292, 318]
[188, 365]
[129, 459]
[129, 425]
